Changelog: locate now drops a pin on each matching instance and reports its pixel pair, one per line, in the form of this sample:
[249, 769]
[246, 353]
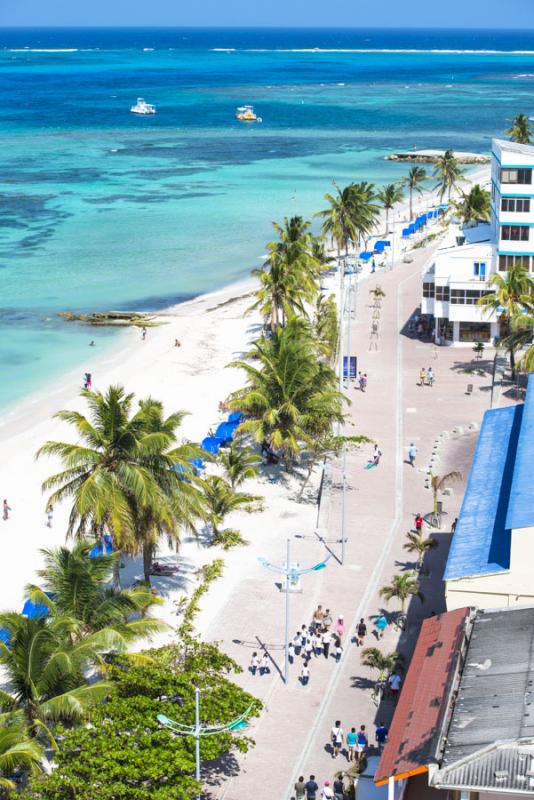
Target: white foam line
[432, 51]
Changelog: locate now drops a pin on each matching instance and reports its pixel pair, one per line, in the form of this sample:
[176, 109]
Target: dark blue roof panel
[481, 543]
[521, 505]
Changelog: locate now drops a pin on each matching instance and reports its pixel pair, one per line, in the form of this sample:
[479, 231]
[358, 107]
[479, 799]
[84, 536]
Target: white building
[457, 275]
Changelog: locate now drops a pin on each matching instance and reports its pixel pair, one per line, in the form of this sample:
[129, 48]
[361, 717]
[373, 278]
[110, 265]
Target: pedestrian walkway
[293, 736]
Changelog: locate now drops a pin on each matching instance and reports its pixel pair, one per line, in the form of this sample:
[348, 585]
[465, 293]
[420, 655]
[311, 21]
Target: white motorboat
[246, 114]
[143, 108]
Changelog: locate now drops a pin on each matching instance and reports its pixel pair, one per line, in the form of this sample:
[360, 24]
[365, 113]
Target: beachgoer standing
[338, 650]
[361, 742]
[327, 619]
[254, 663]
[454, 524]
[351, 743]
[381, 624]
[327, 638]
[364, 379]
[340, 626]
[311, 788]
[339, 791]
[49, 515]
[412, 453]
[419, 523]
[297, 643]
[6, 509]
[300, 788]
[430, 376]
[318, 616]
[361, 632]
[143, 334]
[422, 377]
[381, 736]
[291, 652]
[265, 665]
[327, 793]
[336, 737]
[394, 681]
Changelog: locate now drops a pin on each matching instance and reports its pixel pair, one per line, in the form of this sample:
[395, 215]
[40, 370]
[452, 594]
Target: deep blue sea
[102, 209]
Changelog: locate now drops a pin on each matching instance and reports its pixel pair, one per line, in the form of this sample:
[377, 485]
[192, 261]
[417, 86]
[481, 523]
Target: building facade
[458, 274]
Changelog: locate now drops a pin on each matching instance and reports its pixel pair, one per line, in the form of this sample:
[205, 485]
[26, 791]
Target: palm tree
[326, 326]
[291, 395]
[221, 500]
[383, 663]
[77, 587]
[389, 196]
[416, 544]
[280, 292]
[414, 180]
[45, 673]
[438, 482]
[239, 464]
[474, 206]
[402, 587]
[17, 753]
[511, 298]
[521, 335]
[449, 173]
[338, 221]
[520, 130]
[365, 211]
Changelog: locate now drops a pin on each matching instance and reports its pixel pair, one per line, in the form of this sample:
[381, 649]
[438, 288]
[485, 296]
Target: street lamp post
[292, 575]
[197, 730]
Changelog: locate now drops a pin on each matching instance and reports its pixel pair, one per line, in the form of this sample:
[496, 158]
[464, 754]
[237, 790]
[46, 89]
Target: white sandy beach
[213, 330]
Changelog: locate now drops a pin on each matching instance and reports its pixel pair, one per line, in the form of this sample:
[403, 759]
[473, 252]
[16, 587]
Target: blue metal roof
[481, 543]
[521, 505]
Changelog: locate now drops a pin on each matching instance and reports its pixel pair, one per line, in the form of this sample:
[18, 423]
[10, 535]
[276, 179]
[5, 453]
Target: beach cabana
[406, 232]
[103, 547]
[235, 417]
[365, 255]
[225, 431]
[211, 444]
[379, 247]
[197, 463]
[35, 610]
[5, 636]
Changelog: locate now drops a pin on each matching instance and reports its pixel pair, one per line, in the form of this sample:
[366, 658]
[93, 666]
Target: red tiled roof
[421, 701]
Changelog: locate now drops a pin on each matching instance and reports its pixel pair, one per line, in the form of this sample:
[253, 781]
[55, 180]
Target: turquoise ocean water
[102, 209]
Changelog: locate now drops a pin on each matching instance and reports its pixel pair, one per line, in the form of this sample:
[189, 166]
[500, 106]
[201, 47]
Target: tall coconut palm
[521, 335]
[239, 464]
[338, 218]
[365, 211]
[44, 671]
[390, 195]
[511, 298]
[416, 544]
[17, 753]
[520, 130]
[76, 586]
[326, 326]
[401, 588]
[280, 293]
[449, 174]
[438, 483]
[383, 663]
[474, 206]
[291, 395]
[414, 180]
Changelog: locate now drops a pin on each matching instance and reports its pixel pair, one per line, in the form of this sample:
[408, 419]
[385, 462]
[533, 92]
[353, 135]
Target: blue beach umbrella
[235, 416]
[5, 636]
[211, 444]
[102, 547]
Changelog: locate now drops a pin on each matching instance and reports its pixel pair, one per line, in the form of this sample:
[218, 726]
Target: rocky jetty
[431, 156]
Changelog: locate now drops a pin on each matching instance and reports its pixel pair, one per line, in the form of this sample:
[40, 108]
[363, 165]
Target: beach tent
[36, 610]
[235, 417]
[365, 255]
[5, 636]
[225, 431]
[406, 232]
[102, 547]
[379, 247]
[211, 444]
[197, 463]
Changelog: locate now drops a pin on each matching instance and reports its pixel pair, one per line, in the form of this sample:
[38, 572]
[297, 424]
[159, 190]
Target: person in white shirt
[327, 793]
[265, 666]
[336, 736]
[305, 674]
[394, 684]
[327, 639]
[254, 663]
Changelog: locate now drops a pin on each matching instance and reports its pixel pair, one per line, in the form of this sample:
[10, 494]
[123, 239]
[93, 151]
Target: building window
[505, 262]
[475, 332]
[445, 330]
[520, 205]
[428, 290]
[442, 293]
[523, 176]
[466, 297]
[514, 233]
[479, 270]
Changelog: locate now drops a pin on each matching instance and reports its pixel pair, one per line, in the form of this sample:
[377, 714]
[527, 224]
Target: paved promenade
[292, 736]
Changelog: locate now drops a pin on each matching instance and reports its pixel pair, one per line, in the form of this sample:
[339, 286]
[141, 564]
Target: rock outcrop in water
[431, 156]
[135, 318]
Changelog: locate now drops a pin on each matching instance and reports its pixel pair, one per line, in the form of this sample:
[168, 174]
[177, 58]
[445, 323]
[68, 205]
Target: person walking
[422, 376]
[340, 627]
[381, 736]
[327, 620]
[394, 681]
[361, 382]
[336, 737]
[430, 376]
[254, 663]
[327, 638]
[327, 793]
[305, 674]
[6, 510]
[362, 743]
[381, 624]
[412, 454]
[300, 788]
[311, 788]
[419, 520]
[297, 643]
[454, 524]
[364, 381]
[265, 665]
[308, 649]
[317, 644]
[291, 652]
[361, 632]
[352, 740]
[318, 616]
[338, 650]
[49, 515]
[339, 789]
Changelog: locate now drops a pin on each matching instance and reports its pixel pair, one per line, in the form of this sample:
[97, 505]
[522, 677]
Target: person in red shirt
[419, 523]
